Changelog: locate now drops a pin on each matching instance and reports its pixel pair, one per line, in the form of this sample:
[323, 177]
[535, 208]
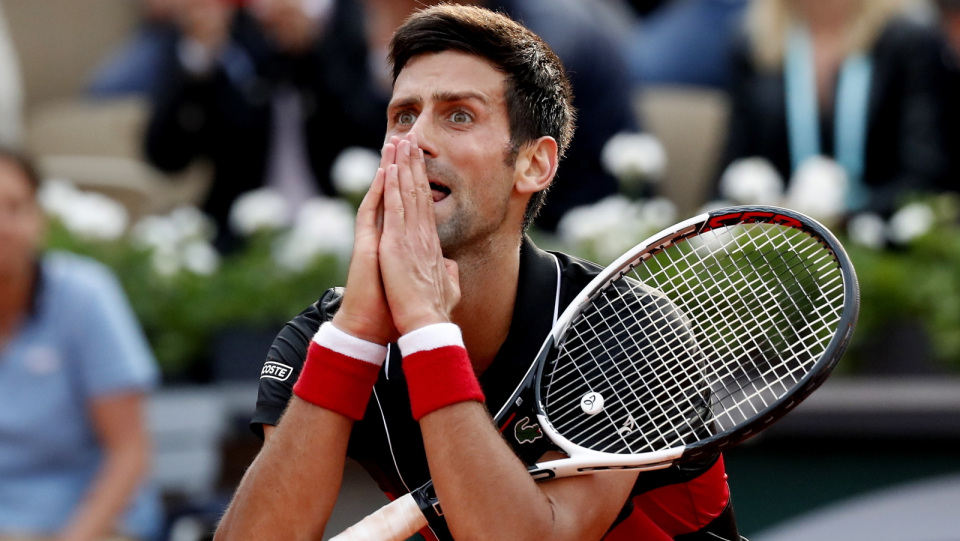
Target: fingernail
[406, 147]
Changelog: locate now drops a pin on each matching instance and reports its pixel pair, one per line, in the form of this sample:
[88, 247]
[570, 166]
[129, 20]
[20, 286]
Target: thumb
[453, 273]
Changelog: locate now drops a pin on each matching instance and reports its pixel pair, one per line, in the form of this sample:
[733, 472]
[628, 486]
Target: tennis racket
[695, 340]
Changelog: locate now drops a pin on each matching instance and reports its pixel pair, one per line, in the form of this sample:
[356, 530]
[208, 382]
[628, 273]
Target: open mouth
[440, 192]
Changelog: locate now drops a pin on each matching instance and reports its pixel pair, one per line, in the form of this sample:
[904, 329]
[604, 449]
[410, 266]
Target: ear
[536, 165]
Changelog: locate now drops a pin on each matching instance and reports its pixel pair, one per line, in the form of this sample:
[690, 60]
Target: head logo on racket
[526, 432]
[592, 403]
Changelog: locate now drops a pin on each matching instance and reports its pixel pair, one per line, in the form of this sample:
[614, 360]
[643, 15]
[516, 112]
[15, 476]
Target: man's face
[21, 221]
[456, 105]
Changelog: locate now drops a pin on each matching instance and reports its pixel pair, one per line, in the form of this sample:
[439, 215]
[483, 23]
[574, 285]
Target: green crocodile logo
[526, 432]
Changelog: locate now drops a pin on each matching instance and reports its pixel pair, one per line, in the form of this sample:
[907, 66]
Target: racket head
[707, 420]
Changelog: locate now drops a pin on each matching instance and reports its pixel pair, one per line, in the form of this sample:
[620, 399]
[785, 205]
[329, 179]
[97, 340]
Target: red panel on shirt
[672, 510]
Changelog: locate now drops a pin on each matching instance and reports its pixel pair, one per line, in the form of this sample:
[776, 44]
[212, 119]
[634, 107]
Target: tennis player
[446, 304]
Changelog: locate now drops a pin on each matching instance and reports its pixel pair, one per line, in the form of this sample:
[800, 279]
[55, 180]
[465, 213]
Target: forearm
[290, 489]
[114, 485]
[486, 492]
[483, 487]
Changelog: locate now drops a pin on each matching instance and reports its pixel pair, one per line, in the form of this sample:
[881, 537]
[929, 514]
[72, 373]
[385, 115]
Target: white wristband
[430, 337]
[333, 338]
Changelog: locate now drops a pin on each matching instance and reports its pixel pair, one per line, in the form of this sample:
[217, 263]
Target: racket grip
[395, 521]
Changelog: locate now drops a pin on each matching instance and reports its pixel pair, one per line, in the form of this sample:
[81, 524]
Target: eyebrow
[441, 96]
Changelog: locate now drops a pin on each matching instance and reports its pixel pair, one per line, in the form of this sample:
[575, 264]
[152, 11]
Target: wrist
[340, 372]
[437, 369]
[415, 322]
[359, 327]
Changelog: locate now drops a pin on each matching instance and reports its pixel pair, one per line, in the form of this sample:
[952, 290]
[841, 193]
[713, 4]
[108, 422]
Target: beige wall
[60, 41]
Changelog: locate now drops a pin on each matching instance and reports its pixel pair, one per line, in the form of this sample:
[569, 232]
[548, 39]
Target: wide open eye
[406, 118]
[460, 117]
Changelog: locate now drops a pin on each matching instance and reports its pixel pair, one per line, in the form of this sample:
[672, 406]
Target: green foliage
[918, 282]
[180, 313]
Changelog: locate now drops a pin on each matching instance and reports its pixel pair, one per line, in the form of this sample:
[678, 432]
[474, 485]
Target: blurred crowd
[273, 93]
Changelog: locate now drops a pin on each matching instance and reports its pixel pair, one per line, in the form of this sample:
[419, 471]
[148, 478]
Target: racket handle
[395, 521]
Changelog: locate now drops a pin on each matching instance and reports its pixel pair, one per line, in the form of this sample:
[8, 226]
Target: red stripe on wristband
[336, 382]
[440, 377]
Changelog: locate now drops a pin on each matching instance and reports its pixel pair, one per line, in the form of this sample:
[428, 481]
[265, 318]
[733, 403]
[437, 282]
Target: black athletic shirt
[387, 442]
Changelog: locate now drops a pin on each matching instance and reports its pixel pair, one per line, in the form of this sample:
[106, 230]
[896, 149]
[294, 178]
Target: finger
[388, 155]
[368, 214]
[422, 185]
[408, 190]
[393, 211]
[453, 282]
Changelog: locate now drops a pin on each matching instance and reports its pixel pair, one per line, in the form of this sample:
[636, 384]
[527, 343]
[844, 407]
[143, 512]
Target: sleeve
[286, 357]
[109, 343]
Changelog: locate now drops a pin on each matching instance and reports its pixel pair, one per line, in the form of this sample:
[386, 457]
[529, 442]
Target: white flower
[95, 216]
[633, 156]
[199, 257]
[258, 209]
[191, 223]
[910, 222]
[56, 196]
[353, 170]
[156, 232]
[323, 226]
[751, 181]
[819, 188]
[659, 213]
[611, 226]
[88, 215]
[867, 229]
[179, 240]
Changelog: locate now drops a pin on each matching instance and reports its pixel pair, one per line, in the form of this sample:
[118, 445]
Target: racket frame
[586, 461]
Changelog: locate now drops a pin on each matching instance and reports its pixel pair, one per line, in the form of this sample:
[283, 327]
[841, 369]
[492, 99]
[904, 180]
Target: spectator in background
[602, 95]
[133, 68]
[270, 91]
[848, 79]
[685, 42]
[950, 88]
[11, 89]
[74, 370]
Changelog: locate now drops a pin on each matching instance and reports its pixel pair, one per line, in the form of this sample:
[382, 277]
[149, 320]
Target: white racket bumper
[395, 521]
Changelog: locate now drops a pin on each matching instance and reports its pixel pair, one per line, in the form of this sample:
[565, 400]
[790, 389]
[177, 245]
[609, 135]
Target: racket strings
[768, 295]
[764, 298]
[695, 339]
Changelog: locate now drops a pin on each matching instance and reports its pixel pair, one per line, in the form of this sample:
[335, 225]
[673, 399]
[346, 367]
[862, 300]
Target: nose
[423, 128]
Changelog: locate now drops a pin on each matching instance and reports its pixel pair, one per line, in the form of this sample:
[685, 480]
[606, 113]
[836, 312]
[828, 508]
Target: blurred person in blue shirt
[74, 372]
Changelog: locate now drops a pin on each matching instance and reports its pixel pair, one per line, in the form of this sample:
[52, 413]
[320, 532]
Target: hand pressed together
[398, 280]
[420, 285]
[364, 312]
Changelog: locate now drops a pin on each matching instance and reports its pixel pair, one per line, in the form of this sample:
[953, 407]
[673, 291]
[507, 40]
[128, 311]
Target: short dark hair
[539, 97]
[25, 164]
